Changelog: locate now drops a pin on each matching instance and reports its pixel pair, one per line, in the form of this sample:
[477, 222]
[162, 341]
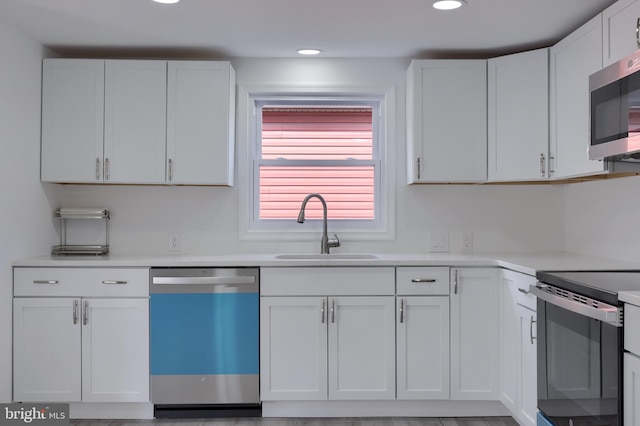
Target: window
[326, 150]
[330, 147]
[302, 140]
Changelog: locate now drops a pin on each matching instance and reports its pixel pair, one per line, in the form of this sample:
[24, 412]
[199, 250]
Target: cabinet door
[293, 348]
[200, 126]
[72, 120]
[518, 125]
[115, 350]
[620, 26]
[135, 121]
[528, 379]
[572, 61]
[362, 348]
[46, 350]
[447, 121]
[475, 325]
[509, 341]
[631, 389]
[423, 347]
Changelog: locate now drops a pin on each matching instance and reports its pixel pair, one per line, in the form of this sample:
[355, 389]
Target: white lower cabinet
[518, 347]
[90, 350]
[475, 334]
[75, 349]
[631, 389]
[423, 347]
[293, 348]
[631, 365]
[318, 348]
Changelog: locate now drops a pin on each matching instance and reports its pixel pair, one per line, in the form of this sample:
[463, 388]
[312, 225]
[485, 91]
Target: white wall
[601, 218]
[25, 214]
[511, 218]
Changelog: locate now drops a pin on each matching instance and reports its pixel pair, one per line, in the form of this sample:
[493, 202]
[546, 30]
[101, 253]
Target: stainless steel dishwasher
[204, 336]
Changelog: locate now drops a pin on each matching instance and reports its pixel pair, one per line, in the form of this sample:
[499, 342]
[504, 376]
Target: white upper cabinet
[72, 120]
[138, 121]
[447, 121]
[135, 121]
[572, 61]
[620, 30]
[518, 124]
[200, 122]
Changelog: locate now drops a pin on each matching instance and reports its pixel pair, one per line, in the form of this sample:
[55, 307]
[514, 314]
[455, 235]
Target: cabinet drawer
[347, 281]
[632, 328]
[523, 297]
[429, 281]
[81, 282]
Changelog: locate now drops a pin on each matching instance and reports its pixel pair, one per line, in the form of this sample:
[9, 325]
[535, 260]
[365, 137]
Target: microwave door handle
[606, 315]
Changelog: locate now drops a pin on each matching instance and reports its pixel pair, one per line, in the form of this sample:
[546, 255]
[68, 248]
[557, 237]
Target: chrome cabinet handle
[423, 280]
[170, 169]
[401, 311]
[531, 329]
[455, 281]
[45, 281]
[522, 290]
[333, 310]
[106, 169]
[418, 165]
[542, 169]
[113, 282]
[322, 312]
[85, 313]
[97, 168]
[551, 161]
[638, 32]
[75, 311]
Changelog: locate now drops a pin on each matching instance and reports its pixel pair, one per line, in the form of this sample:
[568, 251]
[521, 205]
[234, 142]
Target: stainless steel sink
[318, 256]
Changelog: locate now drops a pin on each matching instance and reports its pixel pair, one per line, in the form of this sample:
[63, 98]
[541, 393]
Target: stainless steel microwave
[615, 111]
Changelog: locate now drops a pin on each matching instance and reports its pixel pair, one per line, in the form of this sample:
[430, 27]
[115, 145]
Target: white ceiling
[276, 28]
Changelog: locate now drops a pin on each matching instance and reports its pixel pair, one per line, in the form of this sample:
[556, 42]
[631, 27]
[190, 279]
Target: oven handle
[610, 315]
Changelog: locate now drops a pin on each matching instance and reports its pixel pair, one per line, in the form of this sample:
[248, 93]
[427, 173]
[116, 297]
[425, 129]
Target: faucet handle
[334, 243]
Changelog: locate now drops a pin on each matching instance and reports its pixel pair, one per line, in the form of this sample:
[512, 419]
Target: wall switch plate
[438, 242]
[466, 241]
[174, 242]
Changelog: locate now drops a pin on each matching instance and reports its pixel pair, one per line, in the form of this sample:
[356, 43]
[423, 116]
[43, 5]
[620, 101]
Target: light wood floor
[396, 421]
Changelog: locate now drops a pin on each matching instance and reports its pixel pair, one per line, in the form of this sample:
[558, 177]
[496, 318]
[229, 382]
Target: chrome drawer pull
[75, 311]
[113, 282]
[522, 290]
[423, 280]
[531, 329]
[85, 313]
[45, 281]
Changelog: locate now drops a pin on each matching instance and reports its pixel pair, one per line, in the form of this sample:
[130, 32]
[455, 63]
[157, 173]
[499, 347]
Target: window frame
[381, 228]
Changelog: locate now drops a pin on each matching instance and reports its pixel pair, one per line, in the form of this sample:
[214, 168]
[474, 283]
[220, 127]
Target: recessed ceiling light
[166, 1]
[309, 51]
[448, 4]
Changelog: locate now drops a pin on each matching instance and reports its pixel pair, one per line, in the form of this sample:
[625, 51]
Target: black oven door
[579, 368]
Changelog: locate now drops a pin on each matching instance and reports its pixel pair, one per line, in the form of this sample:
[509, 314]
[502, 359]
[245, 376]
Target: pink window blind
[329, 152]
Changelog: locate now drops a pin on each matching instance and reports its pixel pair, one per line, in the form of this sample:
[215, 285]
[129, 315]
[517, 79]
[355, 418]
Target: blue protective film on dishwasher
[204, 333]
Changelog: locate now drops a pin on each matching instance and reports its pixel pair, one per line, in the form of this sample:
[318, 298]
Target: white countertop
[632, 297]
[527, 263]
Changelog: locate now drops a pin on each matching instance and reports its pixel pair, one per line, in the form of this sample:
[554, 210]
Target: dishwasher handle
[204, 280]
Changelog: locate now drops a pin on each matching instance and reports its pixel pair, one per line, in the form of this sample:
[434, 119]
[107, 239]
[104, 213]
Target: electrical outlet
[466, 241]
[174, 242]
[438, 242]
